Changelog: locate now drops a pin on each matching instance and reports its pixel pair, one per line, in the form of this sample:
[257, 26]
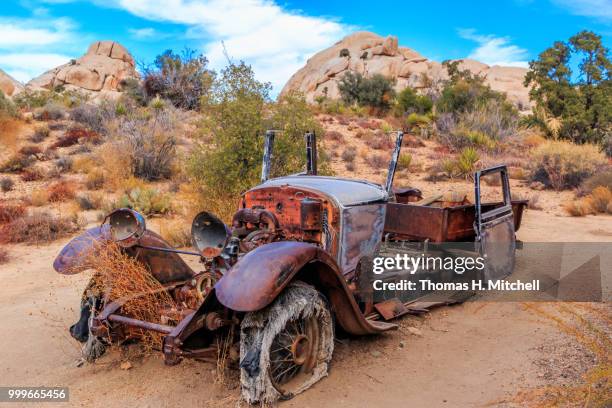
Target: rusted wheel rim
[293, 354]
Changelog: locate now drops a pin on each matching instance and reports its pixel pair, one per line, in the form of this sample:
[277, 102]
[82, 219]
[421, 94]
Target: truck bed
[449, 224]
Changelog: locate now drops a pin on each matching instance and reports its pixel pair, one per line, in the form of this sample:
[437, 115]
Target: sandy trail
[468, 355]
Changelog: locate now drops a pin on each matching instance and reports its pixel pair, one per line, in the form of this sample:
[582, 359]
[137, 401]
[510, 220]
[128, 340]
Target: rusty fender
[166, 267]
[258, 278]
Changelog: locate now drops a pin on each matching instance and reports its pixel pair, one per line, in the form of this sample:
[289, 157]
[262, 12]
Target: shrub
[32, 174]
[76, 135]
[147, 201]
[4, 256]
[466, 162]
[601, 197]
[417, 121]
[6, 184]
[10, 212]
[16, 163]
[601, 178]
[61, 191]
[7, 107]
[350, 166]
[37, 228]
[134, 90]
[95, 180]
[149, 142]
[560, 164]
[379, 141]
[183, 79]
[29, 100]
[344, 53]
[38, 198]
[349, 154]
[334, 135]
[41, 132]
[580, 207]
[50, 111]
[408, 101]
[376, 91]
[607, 145]
[64, 164]
[404, 161]
[95, 117]
[89, 201]
[377, 161]
[30, 150]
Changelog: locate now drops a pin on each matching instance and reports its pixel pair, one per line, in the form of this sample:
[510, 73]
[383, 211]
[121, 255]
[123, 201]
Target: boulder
[9, 85]
[102, 68]
[370, 54]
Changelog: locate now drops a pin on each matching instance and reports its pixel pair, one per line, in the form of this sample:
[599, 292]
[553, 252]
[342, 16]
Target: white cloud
[494, 50]
[25, 66]
[143, 33]
[598, 9]
[275, 41]
[27, 32]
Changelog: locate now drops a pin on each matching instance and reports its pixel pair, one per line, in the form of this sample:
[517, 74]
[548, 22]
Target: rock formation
[101, 69]
[368, 53]
[9, 85]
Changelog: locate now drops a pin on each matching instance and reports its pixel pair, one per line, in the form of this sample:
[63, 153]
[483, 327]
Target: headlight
[209, 234]
[127, 226]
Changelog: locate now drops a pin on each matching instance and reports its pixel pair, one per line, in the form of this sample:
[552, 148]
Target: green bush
[417, 121]
[561, 165]
[408, 101]
[376, 91]
[7, 108]
[147, 201]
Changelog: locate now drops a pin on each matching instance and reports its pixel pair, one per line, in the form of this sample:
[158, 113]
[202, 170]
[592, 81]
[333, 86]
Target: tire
[286, 347]
[93, 347]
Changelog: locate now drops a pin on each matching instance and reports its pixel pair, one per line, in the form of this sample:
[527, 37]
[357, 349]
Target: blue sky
[276, 38]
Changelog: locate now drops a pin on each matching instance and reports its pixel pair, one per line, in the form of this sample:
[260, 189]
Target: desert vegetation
[187, 138]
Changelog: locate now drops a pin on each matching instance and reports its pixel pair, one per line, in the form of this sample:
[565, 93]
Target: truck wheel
[286, 347]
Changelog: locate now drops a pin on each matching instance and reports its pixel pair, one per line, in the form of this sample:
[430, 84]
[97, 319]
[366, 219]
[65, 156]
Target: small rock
[126, 365]
[414, 331]
[402, 344]
[376, 353]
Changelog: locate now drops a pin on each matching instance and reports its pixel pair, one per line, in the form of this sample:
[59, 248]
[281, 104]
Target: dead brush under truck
[288, 272]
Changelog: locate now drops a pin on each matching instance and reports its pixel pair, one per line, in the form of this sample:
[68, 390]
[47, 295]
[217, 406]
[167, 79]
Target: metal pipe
[176, 251]
[268, 144]
[394, 158]
[160, 328]
[311, 153]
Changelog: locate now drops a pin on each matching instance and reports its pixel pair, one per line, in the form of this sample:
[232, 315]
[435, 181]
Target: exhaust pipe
[311, 153]
[394, 158]
[268, 144]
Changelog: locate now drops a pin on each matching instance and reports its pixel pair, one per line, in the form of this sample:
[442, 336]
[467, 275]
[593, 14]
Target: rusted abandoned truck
[288, 271]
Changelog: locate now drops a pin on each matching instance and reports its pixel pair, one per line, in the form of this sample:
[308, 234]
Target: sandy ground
[475, 354]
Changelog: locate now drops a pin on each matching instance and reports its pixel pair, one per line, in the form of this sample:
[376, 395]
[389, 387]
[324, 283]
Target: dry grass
[580, 207]
[16, 163]
[560, 164]
[37, 228]
[176, 232]
[334, 135]
[596, 388]
[61, 191]
[95, 179]
[32, 174]
[89, 201]
[10, 212]
[601, 197]
[76, 135]
[118, 276]
[377, 161]
[9, 132]
[38, 198]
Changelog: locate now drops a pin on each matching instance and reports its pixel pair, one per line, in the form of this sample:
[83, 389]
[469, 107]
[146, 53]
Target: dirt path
[468, 355]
